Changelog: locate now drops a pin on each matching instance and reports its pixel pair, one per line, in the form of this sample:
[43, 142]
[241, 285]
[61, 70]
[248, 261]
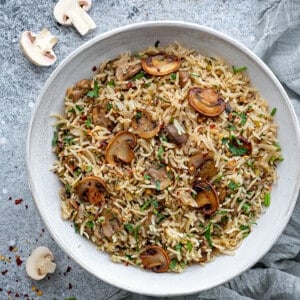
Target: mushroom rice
[167, 157]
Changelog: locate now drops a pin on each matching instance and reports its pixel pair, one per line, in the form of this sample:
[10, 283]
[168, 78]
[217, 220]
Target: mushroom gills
[161, 64]
[202, 165]
[206, 101]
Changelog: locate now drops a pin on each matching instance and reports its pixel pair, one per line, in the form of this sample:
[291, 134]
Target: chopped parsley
[244, 227]
[237, 70]
[77, 172]
[243, 117]
[267, 200]
[189, 246]
[89, 224]
[133, 230]
[138, 115]
[218, 179]
[55, 139]
[246, 207]
[79, 108]
[277, 146]
[67, 189]
[94, 93]
[160, 152]
[147, 176]
[225, 140]
[129, 227]
[273, 112]
[173, 76]
[231, 127]
[157, 185]
[88, 122]
[232, 185]
[221, 212]
[237, 151]
[139, 75]
[178, 247]
[76, 227]
[111, 84]
[171, 121]
[163, 138]
[69, 140]
[128, 256]
[207, 235]
[173, 264]
[109, 106]
[89, 168]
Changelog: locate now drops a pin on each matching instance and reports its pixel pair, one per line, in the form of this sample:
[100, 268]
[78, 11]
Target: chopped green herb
[277, 146]
[147, 176]
[160, 217]
[171, 121]
[71, 110]
[55, 139]
[207, 235]
[88, 122]
[69, 140]
[101, 219]
[267, 199]
[148, 84]
[238, 151]
[173, 264]
[163, 138]
[138, 115]
[157, 185]
[218, 179]
[89, 168]
[243, 117]
[77, 172]
[89, 224]
[232, 185]
[238, 69]
[273, 112]
[129, 227]
[128, 256]
[221, 212]
[109, 106]
[70, 298]
[146, 205]
[246, 207]
[94, 93]
[173, 76]
[138, 55]
[244, 227]
[178, 247]
[139, 75]
[76, 227]
[79, 108]
[225, 140]
[231, 127]
[249, 163]
[136, 232]
[160, 152]
[67, 189]
[111, 84]
[154, 203]
[189, 246]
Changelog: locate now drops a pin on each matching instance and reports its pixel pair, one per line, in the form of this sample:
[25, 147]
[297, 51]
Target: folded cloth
[277, 275]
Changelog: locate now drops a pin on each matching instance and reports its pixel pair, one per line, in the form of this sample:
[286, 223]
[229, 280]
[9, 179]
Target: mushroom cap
[120, 148]
[155, 258]
[91, 188]
[161, 64]
[203, 165]
[206, 101]
[38, 48]
[127, 70]
[144, 126]
[39, 263]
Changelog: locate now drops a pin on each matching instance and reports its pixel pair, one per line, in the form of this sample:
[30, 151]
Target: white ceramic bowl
[45, 185]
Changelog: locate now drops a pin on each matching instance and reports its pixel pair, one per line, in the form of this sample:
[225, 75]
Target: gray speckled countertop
[21, 227]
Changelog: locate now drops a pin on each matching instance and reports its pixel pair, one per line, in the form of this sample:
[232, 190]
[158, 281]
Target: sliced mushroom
[112, 223]
[127, 70]
[120, 148]
[161, 64]
[39, 263]
[38, 47]
[202, 165]
[68, 12]
[155, 258]
[159, 177]
[173, 136]
[184, 78]
[207, 198]
[99, 116]
[143, 125]
[80, 89]
[241, 142]
[91, 189]
[206, 101]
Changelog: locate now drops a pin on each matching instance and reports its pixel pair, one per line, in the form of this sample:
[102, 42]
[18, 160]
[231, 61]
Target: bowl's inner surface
[45, 184]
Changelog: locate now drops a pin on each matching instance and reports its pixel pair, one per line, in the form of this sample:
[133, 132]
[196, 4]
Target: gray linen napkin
[277, 275]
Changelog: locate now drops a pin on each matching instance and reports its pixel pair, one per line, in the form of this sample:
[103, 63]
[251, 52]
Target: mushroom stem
[45, 40]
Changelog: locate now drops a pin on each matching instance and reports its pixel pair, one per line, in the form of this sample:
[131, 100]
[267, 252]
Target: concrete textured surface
[21, 228]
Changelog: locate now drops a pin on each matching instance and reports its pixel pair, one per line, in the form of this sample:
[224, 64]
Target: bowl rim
[155, 24]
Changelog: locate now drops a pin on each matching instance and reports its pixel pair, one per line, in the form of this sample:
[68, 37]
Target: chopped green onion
[232, 185]
[109, 106]
[138, 115]
[246, 207]
[146, 205]
[243, 117]
[101, 219]
[244, 227]
[238, 69]
[267, 200]
[79, 108]
[67, 189]
[218, 179]
[89, 168]
[163, 138]
[76, 227]
[221, 212]
[178, 247]
[147, 176]
[136, 232]
[128, 256]
[277, 146]
[231, 127]
[195, 75]
[69, 140]
[157, 185]
[273, 112]
[237, 151]
[224, 140]
[129, 227]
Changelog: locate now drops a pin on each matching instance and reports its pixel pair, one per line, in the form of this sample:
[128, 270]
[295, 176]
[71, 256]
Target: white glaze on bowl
[45, 185]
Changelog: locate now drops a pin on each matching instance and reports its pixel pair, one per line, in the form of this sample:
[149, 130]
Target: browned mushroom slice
[203, 165]
[207, 198]
[184, 77]
[174, 137]
[159, 177]
[155, 258]
[206, 101]
[99, 116]
[120, 148]
[241, 143]
[80, 89]
[91, 188]
[127, 70]
[112, 222]
[161, 64]
[143, 125]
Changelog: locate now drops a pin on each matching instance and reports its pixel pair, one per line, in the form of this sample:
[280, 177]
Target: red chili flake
[94, 69]
[126, 264]
[17, 295]
[26, 296]
[8, 292]
[11, 248]
[129, 85]
[70, 286]
[103, 145]
[4, 272]
[162, 126]
[19, 261]
[211, 126]
[83, 118]
[18, 201]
